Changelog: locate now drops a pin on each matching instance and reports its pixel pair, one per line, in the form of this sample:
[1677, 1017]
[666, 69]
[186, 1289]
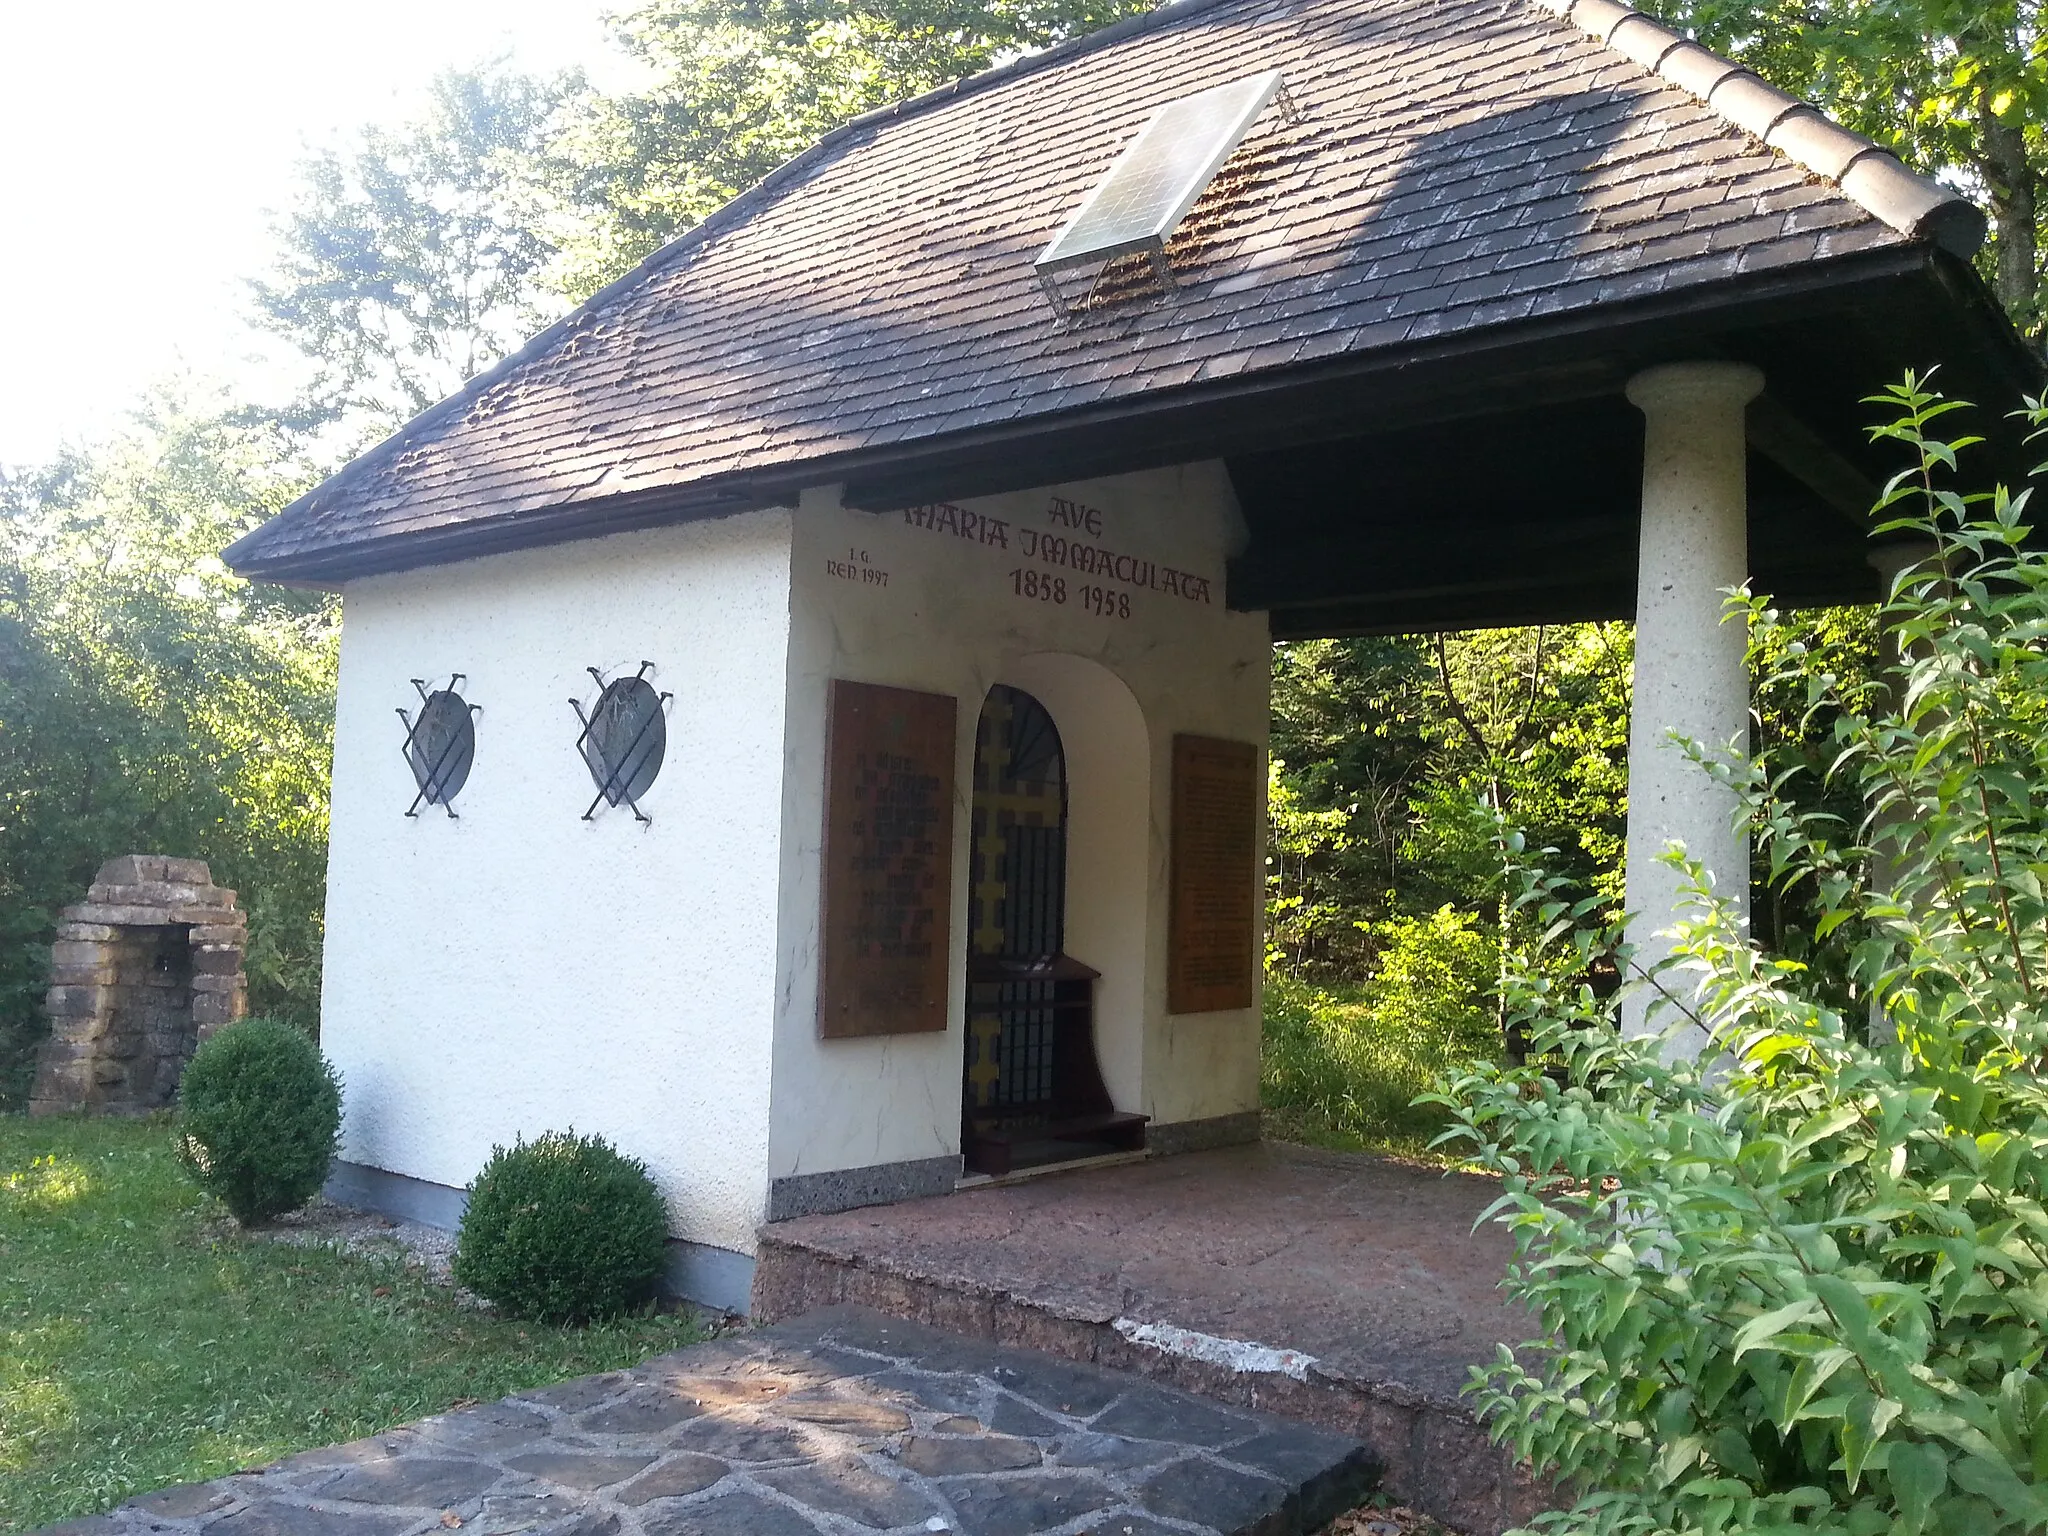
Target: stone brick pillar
[141, 971]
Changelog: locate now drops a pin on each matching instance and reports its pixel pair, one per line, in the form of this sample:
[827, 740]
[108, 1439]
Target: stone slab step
[839, 1423]
[1341, 1290]
[1430, 1453]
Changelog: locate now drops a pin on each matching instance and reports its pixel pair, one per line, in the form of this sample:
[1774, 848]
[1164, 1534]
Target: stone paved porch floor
[1359, 1280]
[844, 1423]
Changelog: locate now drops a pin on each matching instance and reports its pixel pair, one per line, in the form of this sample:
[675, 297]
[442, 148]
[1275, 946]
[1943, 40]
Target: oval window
[440, 746]
[624, 739]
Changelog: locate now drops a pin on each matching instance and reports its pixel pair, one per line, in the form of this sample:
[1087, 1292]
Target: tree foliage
[426, 251]
[1534, 721]
[1802, 1285]
[1379, 744]
[1351, 1058]
[151, 703]
[415, 259]
[1350, 742]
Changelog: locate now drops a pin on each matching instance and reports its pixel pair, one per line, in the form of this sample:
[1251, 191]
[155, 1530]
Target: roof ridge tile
[1865, 170]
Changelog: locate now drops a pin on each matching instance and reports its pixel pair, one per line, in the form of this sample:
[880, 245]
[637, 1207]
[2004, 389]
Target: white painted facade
[518, 969]
[951, 619]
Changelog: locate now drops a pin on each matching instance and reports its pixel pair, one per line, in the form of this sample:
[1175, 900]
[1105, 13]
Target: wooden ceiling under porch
[1505, 489]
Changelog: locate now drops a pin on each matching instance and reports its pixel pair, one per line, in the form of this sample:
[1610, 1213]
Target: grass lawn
[144, 1341]
[1339, 1069]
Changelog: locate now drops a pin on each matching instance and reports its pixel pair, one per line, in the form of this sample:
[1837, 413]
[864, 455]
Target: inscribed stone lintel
[888, 853]
[1213, 929]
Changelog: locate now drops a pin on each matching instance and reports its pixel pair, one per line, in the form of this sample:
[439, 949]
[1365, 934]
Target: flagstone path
[840, 1423]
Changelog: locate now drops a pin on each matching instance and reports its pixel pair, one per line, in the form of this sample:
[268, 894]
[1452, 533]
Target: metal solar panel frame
[1229, 134]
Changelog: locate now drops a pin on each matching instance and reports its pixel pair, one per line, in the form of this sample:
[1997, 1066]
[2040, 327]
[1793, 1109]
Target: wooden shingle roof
[1455, 166]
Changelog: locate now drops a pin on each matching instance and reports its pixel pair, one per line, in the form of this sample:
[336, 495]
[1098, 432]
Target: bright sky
[142, 144]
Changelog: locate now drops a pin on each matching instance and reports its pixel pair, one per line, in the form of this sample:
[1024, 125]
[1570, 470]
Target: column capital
[1679, 386]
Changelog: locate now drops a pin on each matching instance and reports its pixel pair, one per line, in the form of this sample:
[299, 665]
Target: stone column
[1690, 672]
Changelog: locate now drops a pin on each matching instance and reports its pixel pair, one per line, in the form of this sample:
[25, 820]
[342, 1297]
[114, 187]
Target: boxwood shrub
[562, 1229]
[259, 1116]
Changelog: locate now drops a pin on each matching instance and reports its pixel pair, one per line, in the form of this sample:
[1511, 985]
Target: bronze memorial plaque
[1213, 933]
[888, 861]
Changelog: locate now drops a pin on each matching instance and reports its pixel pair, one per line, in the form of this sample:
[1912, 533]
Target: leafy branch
[1802, 1284]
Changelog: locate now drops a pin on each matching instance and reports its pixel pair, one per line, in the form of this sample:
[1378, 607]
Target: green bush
[562, 1229]
[259, 1115]
[1351, 1060]
[1802, 1285]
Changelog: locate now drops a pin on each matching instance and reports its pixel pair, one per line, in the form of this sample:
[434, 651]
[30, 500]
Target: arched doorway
[1032, 1090]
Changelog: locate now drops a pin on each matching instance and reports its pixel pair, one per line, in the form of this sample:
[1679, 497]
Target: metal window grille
[440, 745]
[623, 740]
[1035, 890]
[1024, 1055]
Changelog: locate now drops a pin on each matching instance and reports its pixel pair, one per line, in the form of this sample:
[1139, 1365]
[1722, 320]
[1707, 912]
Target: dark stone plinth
[1362, 1278]
[1020, 1507]
[844, 1189]
[960, 1455]
[421, 1482]
[680, 1475]
[838, 1422]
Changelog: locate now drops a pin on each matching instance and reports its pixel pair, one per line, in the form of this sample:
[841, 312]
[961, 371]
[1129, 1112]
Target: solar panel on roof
[1154, 182]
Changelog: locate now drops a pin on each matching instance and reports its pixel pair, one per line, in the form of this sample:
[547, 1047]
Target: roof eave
[899, 473]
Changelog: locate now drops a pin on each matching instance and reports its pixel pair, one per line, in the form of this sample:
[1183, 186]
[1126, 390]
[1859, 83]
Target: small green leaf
[1863, 1426]
[1760, 1331]
[1998, 1483]
[1917, 1472]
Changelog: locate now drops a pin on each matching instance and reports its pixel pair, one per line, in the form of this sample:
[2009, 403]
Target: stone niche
[147, 966]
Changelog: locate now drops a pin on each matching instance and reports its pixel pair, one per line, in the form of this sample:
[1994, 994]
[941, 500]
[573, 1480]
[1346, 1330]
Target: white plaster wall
[519, 969]
[877, 598]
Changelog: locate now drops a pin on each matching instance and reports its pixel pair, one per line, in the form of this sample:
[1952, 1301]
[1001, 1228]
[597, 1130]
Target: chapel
[803, 716]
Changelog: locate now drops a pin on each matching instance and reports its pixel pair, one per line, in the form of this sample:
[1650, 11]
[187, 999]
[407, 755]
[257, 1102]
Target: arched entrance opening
[1032, 1090]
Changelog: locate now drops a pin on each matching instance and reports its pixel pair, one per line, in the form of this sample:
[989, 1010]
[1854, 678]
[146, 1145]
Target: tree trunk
[2014, 185]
